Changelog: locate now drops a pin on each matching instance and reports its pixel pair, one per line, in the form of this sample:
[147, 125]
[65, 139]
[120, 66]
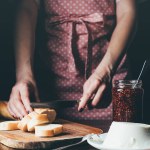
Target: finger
[88, 92]
[18, 103]
[89, 106]
[84, 100]
[24, 94]
[98, 95]
[10, 111]
[20, 107]
[14, 109]
[89, 89]
[13, 103]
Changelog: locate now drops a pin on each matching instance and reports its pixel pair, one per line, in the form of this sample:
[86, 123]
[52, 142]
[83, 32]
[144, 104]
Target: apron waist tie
[80, 19]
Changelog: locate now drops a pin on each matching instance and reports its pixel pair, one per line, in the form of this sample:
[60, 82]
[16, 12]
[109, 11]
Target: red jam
[127, 103]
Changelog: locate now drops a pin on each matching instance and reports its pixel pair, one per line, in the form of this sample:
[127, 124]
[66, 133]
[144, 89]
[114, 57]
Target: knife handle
[4, 113]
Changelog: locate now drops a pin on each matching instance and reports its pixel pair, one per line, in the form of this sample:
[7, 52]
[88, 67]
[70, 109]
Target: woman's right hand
[19, 101]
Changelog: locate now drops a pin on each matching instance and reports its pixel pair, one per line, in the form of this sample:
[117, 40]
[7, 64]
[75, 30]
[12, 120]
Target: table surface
[102, 124]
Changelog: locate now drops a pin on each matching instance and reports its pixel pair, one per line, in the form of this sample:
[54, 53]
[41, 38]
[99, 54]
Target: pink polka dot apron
[78, 34]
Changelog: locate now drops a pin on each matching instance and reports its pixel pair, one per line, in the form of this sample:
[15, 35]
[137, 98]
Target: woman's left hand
[93, 90]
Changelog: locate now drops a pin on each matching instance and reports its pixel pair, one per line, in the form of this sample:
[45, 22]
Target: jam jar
[127, 98]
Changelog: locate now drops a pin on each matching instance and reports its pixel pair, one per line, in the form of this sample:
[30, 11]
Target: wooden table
[103, 124]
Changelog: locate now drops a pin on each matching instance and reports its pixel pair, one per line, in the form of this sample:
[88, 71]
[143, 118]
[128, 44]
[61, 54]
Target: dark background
[138, 51]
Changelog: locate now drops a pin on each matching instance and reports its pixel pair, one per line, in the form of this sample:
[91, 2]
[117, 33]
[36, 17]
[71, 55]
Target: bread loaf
[9, 125]
[48, 130]
[34, 121]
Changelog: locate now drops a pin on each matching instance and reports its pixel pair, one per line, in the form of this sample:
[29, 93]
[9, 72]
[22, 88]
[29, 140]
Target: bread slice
[37, 120]
[9, 125]
[51, 113]
[23, 123]
[48, 130]
[33, 114]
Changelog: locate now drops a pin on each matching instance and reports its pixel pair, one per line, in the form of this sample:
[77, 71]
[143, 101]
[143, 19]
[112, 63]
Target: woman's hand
[95, 86]
[19, 102]
[93, 89]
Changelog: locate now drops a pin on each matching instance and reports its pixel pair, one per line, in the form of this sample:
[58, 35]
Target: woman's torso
[78, 34]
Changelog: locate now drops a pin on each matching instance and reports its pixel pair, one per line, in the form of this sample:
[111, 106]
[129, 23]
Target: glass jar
[127, 97]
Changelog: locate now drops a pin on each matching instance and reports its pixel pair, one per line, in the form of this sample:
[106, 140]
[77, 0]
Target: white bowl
[127, 135]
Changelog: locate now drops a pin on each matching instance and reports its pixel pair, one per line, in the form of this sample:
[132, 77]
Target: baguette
[37, 120]
[4, 111]
[51, 113]
[33, 120]
[48, 130]
[9, 125]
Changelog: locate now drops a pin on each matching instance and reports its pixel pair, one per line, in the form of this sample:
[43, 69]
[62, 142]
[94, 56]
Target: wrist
[105, 69]
[24, 75]
[103, 74]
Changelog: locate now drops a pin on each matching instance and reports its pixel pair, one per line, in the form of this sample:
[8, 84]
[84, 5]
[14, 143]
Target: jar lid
[127, 83]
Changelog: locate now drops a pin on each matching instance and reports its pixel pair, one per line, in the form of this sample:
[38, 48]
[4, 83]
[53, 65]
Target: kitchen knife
[57, 104]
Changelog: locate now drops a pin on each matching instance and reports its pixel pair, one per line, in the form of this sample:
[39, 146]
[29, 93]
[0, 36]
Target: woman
[86, 43]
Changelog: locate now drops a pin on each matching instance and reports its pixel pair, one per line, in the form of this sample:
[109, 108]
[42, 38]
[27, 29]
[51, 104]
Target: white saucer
[97, 142]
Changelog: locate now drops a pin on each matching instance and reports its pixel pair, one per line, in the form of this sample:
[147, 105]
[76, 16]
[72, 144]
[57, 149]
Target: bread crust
[44, 131]
[9, 125]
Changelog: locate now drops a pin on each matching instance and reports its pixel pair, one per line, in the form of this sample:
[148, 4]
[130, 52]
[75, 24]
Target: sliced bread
[51, 113]
[37, 120]
[9, 125]
[23, 123]
[33, 114]
[48, 130]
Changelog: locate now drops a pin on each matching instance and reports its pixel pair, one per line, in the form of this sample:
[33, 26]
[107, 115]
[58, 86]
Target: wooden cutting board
[24, 140]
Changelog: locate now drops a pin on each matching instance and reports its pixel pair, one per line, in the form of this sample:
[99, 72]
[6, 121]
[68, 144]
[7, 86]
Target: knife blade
[58, 104]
